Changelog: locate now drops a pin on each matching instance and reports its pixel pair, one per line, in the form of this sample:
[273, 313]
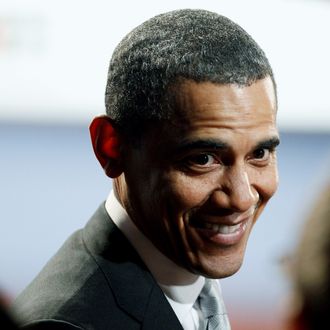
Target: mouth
[224, 231]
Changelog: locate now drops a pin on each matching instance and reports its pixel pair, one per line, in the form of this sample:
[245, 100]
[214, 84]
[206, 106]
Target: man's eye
[201, 160]
[261, 154]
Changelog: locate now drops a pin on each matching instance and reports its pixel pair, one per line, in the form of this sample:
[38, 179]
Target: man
[189, 139]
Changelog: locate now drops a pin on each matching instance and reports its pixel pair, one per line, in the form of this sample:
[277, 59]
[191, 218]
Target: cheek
[272, 181]
[266, 182]
[187, 193]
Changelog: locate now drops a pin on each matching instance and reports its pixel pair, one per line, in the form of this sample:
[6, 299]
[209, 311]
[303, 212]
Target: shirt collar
[178, 284]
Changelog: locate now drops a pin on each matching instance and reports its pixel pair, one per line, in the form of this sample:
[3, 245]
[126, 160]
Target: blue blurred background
[53, 63]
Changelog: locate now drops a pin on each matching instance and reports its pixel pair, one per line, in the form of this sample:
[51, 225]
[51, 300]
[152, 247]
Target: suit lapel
[134, 288]
[159, 314]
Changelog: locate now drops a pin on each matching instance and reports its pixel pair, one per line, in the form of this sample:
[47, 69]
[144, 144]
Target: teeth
[222, 229]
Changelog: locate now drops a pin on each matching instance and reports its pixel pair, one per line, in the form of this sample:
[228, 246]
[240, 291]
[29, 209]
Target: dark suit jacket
[95, 281]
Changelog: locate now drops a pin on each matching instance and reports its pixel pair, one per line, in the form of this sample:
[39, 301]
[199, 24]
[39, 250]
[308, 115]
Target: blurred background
[53, 64]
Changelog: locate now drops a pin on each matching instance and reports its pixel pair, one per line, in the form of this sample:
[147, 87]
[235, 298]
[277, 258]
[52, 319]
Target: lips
[224, 231]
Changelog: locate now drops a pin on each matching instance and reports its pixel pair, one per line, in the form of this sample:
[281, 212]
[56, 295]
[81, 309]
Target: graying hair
[182, 44]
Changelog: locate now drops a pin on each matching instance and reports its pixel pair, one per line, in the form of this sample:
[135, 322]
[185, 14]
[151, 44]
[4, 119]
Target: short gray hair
[189, 44]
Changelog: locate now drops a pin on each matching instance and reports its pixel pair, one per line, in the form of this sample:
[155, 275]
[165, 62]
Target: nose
[236, 190]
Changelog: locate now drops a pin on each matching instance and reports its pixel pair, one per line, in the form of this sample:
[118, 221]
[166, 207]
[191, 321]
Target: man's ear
[106, 145]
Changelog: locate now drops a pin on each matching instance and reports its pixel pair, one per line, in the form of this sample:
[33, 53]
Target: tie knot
[210, 301]
[212, 307]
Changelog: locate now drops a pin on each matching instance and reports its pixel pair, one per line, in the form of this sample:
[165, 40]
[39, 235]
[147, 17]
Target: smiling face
[196, 186]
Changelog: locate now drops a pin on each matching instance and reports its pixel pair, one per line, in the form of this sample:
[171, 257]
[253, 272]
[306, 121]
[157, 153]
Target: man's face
[196, 186]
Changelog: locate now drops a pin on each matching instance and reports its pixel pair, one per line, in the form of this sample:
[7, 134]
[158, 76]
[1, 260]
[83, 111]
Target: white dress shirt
[181, 287]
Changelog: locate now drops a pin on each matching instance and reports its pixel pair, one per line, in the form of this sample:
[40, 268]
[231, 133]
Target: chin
[217, 269]
[223, 264]
[221, 273]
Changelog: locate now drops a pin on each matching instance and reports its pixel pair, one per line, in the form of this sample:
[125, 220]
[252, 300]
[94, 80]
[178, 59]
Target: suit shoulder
[58, 284]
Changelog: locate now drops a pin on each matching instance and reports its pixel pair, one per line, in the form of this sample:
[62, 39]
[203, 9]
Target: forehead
[198, 100]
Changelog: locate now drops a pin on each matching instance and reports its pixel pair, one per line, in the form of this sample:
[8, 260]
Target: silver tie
[213, 308]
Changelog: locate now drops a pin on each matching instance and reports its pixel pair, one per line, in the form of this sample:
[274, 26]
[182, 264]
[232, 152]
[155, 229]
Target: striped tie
[213, 308]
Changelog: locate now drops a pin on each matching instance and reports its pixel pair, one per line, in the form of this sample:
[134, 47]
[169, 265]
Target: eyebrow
[213, 144]
[271, 143]
[202, 144]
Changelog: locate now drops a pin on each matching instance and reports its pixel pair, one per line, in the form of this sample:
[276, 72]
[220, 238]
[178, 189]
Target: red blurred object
[263, 319]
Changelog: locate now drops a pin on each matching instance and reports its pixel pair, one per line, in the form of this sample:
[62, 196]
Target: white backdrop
[54, 54]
